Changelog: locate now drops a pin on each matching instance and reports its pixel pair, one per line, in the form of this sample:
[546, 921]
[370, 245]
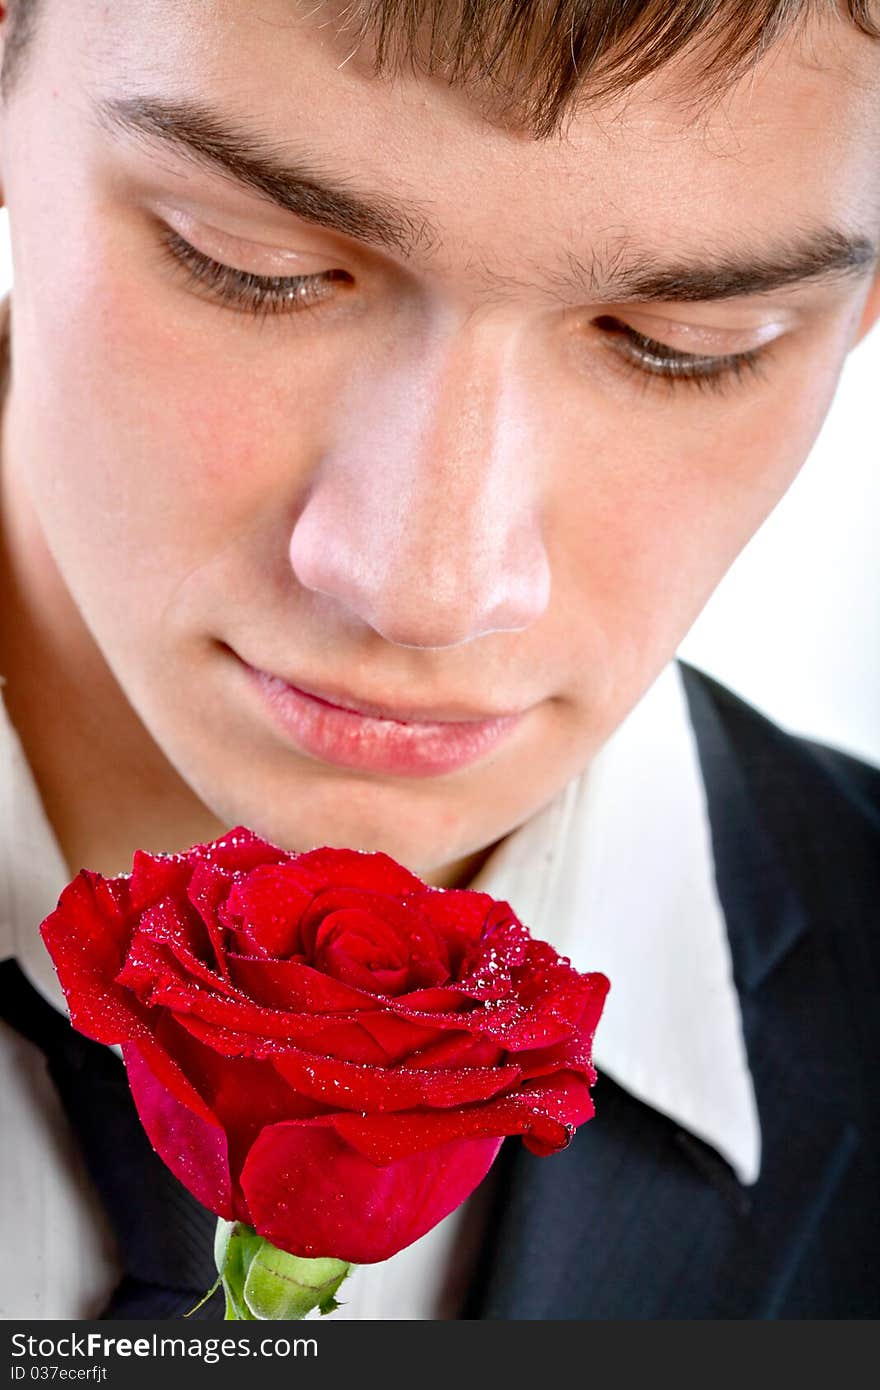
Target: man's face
[492, 458]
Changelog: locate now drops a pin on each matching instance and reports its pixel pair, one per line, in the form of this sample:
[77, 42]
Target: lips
[435, 714]
[374, 738]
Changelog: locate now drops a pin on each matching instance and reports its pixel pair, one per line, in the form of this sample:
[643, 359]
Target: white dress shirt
[616, 872]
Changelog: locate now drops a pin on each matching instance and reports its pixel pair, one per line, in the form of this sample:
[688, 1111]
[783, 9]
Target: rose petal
[187, 1138]
[493, 1019]
[545, 1114]
[574, 1052]
[342, 1037]
[156, 876]
[87, 936]
[339, 965]
[242, 1098]
[458, 1050]
[395, 1037]
[154, 974]
[445, 999]
[176, 926]
[463, 917]
[311, 1194]
[385, 922]
[375, 871]
[354, 1086]
[290, 985]
[183, 995]
[239, 850]
[267, 906]
[207, 891]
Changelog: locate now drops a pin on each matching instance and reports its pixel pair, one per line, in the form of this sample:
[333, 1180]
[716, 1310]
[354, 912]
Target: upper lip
[450, 713]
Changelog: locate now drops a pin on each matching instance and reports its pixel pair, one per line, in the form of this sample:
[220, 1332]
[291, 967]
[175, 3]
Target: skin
[444, 485]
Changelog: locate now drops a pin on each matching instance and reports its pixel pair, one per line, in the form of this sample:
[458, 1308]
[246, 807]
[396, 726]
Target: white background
[795, 625]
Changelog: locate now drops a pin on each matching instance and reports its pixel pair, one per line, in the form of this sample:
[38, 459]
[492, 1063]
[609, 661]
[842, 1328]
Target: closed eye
[659, 360]
[259, 295]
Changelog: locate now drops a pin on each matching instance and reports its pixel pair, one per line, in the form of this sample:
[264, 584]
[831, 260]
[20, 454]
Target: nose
[423, 517]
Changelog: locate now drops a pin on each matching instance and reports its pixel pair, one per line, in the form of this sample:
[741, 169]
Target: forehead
[797, 139]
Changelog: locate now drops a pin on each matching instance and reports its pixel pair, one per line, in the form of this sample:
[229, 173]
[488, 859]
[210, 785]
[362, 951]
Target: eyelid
[227, 248]
[654, 363]
[700, 340]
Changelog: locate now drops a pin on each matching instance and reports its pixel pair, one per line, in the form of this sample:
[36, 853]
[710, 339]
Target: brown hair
[535, 56]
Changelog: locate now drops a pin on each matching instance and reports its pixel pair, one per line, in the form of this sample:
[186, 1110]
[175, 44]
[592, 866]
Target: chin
[359, 817]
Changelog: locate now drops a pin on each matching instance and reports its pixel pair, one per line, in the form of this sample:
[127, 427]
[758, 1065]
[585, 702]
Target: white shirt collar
[616, 872]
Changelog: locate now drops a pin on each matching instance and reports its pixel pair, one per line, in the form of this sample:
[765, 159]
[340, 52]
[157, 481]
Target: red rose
[321, 1045]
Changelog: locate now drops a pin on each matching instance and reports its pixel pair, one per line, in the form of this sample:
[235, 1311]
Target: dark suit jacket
[638, 1219]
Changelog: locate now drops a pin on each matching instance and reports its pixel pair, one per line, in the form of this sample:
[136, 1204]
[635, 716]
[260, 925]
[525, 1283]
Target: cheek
[159, 439]
[652, 519]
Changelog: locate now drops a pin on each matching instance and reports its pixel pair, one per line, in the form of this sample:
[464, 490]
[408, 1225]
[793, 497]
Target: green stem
[213, 1289]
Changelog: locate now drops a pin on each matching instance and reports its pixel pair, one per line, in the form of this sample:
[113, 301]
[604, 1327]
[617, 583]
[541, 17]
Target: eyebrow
[821, 254]
[204, 135]
[208, 137]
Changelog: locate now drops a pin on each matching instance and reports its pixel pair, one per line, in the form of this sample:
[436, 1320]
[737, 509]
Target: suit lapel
[766, 794]
[764, 915]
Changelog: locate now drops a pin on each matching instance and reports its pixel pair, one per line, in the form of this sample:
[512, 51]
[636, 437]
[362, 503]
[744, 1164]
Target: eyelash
[264, 296]
[672, 368]
[260, 295]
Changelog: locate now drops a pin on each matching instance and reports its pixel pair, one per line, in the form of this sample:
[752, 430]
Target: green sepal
[283, 1286]
[262, 1283]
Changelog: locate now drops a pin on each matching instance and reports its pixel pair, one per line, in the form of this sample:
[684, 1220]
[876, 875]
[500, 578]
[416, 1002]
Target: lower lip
[348, 739]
